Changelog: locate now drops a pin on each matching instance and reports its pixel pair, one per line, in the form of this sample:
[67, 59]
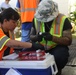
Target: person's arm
[18, 6]
[66, 39]
[18, 44]
[38, 1]
[33, 32]
[34, 36]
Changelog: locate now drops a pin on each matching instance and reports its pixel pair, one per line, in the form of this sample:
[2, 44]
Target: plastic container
[44, 67]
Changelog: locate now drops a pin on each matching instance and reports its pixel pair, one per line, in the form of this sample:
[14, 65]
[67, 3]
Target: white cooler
[44, 67]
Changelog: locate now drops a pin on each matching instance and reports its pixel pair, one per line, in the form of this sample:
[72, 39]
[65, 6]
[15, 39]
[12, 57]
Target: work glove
[38, 37]
[37, 46]
[47, 36]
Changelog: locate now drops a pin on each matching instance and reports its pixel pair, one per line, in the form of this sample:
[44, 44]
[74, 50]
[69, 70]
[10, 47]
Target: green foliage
[72, 15]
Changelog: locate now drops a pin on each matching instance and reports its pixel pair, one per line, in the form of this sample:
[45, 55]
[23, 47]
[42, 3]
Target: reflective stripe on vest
[27, 9]
[57, 25]
[55, 30]
[37, 26]
[3, 41]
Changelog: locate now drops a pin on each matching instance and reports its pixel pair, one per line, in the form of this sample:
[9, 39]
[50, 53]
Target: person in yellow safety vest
[53, 30]
[27, 10]
[8, 22]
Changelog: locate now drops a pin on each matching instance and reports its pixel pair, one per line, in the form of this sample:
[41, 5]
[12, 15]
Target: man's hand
[47, 36]
[38, 37]
[37, 46]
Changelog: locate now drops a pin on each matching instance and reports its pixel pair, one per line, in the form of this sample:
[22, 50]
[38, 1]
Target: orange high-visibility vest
[27, 9]
[3, 40]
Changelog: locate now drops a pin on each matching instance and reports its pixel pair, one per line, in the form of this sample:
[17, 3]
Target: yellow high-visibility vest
[55, 30]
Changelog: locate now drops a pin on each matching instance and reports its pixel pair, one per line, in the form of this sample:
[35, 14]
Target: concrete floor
[68, 70]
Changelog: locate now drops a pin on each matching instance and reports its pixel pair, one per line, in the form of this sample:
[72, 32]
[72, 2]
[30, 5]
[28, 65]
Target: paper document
[11, 56]
[12, 71]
